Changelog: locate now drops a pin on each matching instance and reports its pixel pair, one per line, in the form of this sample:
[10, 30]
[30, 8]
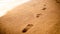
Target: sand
[34, 17]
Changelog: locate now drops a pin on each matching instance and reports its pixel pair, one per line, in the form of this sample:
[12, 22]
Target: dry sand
[34, 17]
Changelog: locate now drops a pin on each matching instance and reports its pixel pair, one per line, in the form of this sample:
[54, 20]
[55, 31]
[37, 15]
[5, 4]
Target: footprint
[38, 15]
[27, 28]
[57, 1]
